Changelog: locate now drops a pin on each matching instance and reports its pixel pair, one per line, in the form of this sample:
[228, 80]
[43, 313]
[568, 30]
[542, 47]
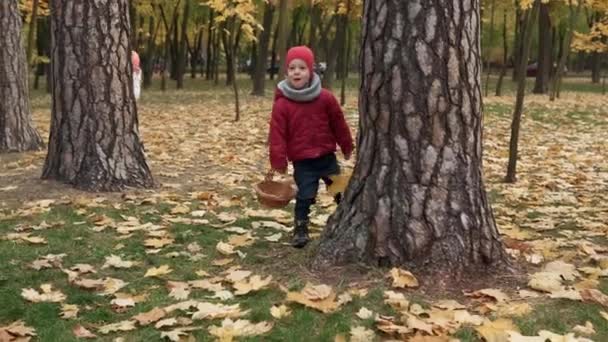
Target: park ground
[199, 239]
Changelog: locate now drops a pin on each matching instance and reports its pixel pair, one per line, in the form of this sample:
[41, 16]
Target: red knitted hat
[303, 53]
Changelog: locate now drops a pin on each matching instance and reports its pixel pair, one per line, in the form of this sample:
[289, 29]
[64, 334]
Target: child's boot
[300, 235]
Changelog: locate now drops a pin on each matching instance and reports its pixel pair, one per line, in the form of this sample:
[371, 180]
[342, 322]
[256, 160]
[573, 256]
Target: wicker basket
[275, 194]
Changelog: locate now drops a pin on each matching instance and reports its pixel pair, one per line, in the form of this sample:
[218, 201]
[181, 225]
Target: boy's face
[298, 74]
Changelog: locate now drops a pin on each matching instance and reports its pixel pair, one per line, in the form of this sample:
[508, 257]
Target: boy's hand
[347, 156]
[281, 171]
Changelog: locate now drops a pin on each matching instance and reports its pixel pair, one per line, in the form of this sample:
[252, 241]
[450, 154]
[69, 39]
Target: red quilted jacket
[304, 130]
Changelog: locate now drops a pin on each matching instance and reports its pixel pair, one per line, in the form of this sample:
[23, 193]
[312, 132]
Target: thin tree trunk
[210, 38]
[30, 34]
[216, 59]
[345, 66]
[148, 55]
[273, 55]
[505, 55]
[43, 46]
[490, 41]
[517, 39]
[556, 82]
[595, 67]
[331, 52]
[545, 51]
[259, 76]
[183, 47]
[416, 197]
[94, 140]
[282, 38]
[530, 16]
[315, 18]
[196, 52]
[17, 132]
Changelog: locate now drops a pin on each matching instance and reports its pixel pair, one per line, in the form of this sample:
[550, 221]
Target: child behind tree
[306, 125]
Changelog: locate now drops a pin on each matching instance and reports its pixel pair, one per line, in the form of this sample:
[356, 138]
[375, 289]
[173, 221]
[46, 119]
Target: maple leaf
[365, 313]
[361, 334]
[255, 283]
[225, 248]
[116, 262]
[230, 329]
[320, 297]
[586, 329]
[274, 238]
[177, 334]
[596, 296]
[158, 271]
[279, 312]
[81, 332]
[158, 243]
[46, 295]
[126, 325]
[180, 209]
[18, 329]
[339, 183]
[213, 311]
[403, 278]
[493, 294]
[169, 322]
[396, 300]
[69, 311]
[178, 290]
[236, 275]
[145, 318]
[497, 330]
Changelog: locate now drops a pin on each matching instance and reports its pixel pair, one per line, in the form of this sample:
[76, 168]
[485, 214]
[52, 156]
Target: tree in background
[94, 140]
[17, 132]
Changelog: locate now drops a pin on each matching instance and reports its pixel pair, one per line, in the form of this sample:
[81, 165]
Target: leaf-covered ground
[197, 259]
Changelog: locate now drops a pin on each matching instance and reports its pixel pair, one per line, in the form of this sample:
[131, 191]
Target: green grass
[561, 316]
[83, 245]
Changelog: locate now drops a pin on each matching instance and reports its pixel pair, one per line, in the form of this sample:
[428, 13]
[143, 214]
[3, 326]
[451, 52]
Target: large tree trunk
[17, 132]
[545, 51]
[94, 141]
[417, 197]
[259, 76]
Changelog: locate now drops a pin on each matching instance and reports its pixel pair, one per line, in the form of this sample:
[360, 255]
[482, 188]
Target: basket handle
[269, 175]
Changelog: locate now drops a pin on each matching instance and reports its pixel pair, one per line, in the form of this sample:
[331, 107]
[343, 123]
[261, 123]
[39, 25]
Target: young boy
[136, 74]
[307, 123]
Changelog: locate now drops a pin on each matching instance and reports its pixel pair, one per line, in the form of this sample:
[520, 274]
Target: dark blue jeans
[307, 174]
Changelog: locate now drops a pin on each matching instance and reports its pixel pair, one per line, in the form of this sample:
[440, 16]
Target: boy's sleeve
[277, 139]
[340, 127]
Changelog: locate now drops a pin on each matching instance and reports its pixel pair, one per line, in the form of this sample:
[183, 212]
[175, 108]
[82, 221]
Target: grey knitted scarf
[302, 95]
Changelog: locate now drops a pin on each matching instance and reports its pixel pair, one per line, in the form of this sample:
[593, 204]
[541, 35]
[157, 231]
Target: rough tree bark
[416, 197]
[94, 141]
[17, 132]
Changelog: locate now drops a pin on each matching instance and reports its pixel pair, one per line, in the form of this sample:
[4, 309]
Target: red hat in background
[303, 53]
